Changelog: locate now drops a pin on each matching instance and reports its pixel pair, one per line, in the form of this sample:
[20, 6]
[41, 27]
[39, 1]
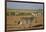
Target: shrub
[12, 13]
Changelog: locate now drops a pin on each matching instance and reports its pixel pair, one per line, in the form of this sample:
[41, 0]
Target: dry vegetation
[11, 24]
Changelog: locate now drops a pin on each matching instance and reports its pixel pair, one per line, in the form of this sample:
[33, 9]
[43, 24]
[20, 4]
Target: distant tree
[12, 13]
[7, 13]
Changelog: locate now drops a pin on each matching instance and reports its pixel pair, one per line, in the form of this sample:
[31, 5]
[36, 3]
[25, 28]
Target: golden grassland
[11, 23]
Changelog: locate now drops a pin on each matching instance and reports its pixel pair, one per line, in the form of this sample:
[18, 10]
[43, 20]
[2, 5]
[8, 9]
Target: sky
[17, 5]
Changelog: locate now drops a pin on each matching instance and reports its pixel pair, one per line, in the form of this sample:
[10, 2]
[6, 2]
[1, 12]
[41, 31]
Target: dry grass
[11, 22]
